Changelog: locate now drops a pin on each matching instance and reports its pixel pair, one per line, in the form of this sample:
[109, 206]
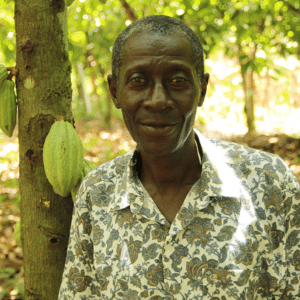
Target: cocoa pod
[87, 167]
[63, 157]
[8, 107]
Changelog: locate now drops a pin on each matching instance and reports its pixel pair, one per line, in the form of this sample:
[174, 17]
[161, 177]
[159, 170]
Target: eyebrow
[173, 66]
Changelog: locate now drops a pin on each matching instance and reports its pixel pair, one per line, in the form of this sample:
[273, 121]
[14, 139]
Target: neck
[181, 168]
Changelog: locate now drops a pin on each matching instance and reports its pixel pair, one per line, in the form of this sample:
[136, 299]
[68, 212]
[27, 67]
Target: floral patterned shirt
[236, 236]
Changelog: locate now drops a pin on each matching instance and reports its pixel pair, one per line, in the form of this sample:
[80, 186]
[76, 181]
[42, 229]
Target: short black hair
[157, 24]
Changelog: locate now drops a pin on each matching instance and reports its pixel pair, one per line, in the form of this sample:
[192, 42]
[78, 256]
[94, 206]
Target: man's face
[158, 92]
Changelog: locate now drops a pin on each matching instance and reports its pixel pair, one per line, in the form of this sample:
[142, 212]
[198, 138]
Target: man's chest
[223, 250]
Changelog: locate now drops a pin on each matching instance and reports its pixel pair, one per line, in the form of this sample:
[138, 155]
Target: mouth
[158, 123]
[158, 129]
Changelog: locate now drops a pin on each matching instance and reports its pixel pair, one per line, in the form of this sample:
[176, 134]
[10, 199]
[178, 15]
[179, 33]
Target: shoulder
[240, 153]
[247, 163]
[105, 180]
[111, 170]
[267, 166]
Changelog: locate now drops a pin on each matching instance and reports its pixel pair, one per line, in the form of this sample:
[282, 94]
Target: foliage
[10, 278]
[260, 26]
[8, 43]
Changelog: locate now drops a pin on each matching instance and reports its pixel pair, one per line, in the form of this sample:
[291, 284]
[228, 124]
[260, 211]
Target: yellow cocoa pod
[87, 167]
[63, 157]
[8, 107]
[17, 233]
[3, 73]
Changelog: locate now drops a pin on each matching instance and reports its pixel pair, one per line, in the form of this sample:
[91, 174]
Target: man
[182, 216]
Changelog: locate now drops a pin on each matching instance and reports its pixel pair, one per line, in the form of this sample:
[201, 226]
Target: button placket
[168, 249]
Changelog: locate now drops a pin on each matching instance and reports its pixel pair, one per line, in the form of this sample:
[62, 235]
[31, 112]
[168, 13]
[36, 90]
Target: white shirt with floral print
[236, 236]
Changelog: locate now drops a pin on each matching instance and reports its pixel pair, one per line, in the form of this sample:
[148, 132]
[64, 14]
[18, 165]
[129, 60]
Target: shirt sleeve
[291, 200]
[79, 277]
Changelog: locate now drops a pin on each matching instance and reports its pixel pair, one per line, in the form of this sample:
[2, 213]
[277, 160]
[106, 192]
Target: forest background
[252, 53]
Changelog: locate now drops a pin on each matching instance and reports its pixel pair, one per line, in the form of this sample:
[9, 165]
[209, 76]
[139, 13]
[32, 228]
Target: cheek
[189, 109]
[129, 102]
[126, 118]
[190, 118]
[187, 100]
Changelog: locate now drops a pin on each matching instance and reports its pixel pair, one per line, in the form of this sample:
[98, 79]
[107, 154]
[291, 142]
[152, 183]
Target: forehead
[144, 47]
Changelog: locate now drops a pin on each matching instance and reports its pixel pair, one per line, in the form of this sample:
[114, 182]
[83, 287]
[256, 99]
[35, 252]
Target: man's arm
[291, 290]
[79, 279]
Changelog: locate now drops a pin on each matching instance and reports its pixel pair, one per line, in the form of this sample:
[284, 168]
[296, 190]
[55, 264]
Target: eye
[178, 80]
[138, 79]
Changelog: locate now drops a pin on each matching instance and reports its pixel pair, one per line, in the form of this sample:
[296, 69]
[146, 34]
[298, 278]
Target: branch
[130, 13]
[294, 9]
[236, 13]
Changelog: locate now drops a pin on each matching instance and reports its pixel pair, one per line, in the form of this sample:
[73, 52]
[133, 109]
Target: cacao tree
[43, 94]
[270, 27]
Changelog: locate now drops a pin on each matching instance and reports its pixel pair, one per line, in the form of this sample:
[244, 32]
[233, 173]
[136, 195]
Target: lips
[158, 128]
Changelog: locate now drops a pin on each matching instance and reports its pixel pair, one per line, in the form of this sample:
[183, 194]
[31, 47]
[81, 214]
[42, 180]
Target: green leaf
[278, 5]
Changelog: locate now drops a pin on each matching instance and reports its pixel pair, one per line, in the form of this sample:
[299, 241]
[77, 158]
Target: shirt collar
[220, 167]
[218, 178]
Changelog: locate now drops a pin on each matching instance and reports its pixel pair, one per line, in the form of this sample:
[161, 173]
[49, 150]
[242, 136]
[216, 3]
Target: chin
[156, 150]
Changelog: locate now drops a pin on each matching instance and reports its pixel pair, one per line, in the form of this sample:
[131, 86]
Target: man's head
[163, 25]
[159, 85]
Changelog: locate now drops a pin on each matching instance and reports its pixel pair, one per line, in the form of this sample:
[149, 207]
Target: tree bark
[108, 115]
[43, 94]
[266, 90]
[248, 84]
[249, 88]
[129, 11]
[86, 97]
[79, 89]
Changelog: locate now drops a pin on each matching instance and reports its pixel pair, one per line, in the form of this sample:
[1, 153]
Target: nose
[158, 99]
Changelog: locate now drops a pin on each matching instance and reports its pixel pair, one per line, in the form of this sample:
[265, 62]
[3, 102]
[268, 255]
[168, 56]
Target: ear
[113, 90]
[203, 85]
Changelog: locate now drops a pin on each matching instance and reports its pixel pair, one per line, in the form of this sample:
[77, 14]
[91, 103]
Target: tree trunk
[248, 84]
[79, 90]
[43, 93]
[266, 91]
[86, 97]
[249, 88]
[129, 11]
[108, 115]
